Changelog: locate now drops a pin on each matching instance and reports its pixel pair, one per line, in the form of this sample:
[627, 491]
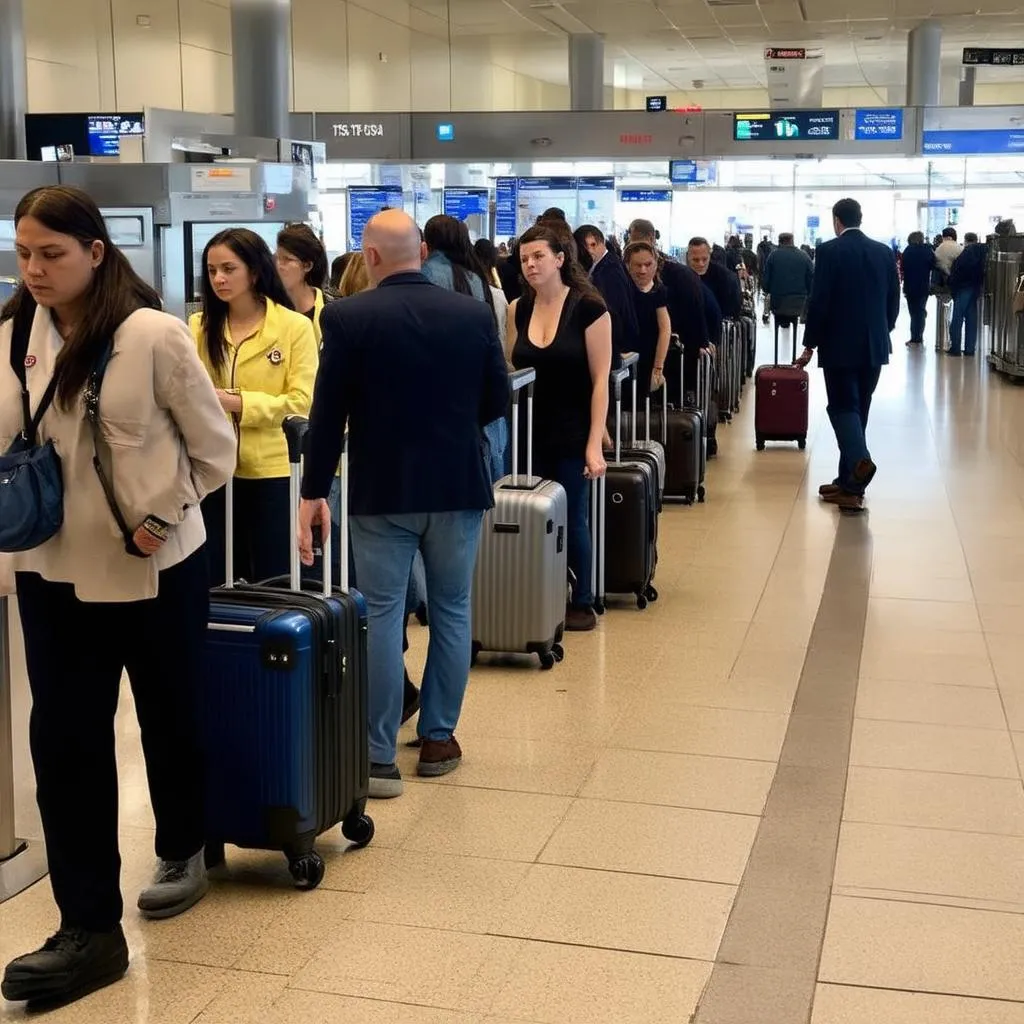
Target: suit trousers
[849, 401]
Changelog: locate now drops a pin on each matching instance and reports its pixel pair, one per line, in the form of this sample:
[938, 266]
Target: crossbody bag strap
[21, 332]
[92, 414]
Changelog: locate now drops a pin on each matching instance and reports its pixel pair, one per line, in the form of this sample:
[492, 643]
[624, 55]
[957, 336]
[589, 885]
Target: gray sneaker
[385, 781]
[178, 885]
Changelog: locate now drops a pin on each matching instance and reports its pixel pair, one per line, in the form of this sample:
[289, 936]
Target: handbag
[31, 480]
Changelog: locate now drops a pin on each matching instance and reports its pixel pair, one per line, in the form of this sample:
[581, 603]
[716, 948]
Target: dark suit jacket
[611, 280]
[685, 303]
[855, 302]
[414, 372]
[918, 264]
[725, 283]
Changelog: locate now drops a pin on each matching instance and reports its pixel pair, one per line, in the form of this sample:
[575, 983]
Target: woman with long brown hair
[91, 366]
[561, 328]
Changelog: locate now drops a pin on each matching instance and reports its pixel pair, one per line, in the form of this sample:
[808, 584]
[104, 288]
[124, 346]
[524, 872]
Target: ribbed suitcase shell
[284, 696]
[520, 582]
[685, 453]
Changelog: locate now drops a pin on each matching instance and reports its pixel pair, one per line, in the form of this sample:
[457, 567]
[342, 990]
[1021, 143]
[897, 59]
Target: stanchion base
[22, 870]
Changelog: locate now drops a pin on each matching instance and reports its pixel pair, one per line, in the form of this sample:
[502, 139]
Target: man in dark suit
[414, 372]
[609, 277]
[854, 305]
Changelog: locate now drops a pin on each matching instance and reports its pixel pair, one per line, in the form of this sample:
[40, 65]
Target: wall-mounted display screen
[49, 135]
[105, 131]
[646, 195]
[505, 198]
[873, 125]
[364, 201]
[979, 142]
[692, 172]
[463, 203]
[787, 126]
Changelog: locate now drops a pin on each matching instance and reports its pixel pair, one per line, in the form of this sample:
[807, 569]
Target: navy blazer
[854, 304]
[609, 277]
[918, 264]
[685, 304]
[413, 372]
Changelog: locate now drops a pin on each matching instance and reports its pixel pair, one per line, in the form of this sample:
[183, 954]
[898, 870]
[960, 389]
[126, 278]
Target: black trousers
[76, 653]
[262, 539]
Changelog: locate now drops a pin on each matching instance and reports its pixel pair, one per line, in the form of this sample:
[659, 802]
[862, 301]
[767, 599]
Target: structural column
[924, 65]
[261, 47]
[968, 78]
[13, 80]
[586, 71]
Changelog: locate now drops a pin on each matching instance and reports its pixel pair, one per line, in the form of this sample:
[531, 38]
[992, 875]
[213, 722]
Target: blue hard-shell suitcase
[284, 713]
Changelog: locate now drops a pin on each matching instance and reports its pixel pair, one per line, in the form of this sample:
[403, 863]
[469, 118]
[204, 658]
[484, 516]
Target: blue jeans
[497, 438]
[965, 308]
[384, 548]
[849, 402]
[569, 473]
[918, 307]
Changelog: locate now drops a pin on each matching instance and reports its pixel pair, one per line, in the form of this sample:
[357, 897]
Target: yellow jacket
[318, 308]
[273, 371]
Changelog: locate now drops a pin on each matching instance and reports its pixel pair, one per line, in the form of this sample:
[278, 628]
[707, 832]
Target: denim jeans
[497, 434]
[569, 473]
[918, 307]
[849, 402]
[384, 548]
[965, 308]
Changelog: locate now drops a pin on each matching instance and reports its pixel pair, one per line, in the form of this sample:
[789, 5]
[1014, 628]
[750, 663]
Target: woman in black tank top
[561, 328]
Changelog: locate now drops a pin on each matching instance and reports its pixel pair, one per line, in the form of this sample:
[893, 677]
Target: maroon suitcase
[781, 398]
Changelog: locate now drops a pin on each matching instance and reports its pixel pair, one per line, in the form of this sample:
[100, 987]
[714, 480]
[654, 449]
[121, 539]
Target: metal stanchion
[22, 863]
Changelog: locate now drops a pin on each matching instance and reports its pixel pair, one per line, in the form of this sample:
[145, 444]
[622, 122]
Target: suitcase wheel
[474, 654]
[701, 494]
[558, 652]
[641, 601]
[599, 607]
[760, 443]
[802, 442]
[358, 830]
[650, 593]
[307, 870]
[548, 660]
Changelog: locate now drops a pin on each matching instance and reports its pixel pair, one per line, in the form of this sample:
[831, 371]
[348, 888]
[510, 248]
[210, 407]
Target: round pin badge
[275, 357]
[30, 361]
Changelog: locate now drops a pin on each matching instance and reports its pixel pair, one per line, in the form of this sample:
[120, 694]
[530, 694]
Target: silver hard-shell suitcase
[520, 581]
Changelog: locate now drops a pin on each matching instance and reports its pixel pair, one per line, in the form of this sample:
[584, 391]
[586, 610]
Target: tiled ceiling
[670, 44]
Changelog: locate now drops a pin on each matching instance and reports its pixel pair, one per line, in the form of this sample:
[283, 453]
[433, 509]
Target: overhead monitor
[657, 104]
[873, 125]
[786, 126]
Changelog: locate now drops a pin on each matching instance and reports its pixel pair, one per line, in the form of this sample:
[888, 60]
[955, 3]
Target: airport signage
[657, 104]
[975, 56]
[692, 172]
[787, 126]
[364, 136]
[463, 203]
[785, 53]
[364, 201]
[506, 195]
[646, 195]
[872, 125]
[979, 142]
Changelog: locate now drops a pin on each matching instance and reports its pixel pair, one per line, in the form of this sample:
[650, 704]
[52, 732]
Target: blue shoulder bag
[31, 482]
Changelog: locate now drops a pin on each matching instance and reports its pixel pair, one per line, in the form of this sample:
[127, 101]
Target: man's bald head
[391, 245]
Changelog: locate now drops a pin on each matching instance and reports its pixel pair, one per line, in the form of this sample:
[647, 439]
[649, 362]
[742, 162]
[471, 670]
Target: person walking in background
[414, 372]
[946, 253]
[301, 261]
[853, 309]
[966, 280]
[562, 330]
[918, 263]
[262, 357]
[95, 603]
[787, 279]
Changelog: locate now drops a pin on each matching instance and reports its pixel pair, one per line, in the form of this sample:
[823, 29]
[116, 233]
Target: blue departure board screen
[366, 200]
[506, 196]
[462, 203]
[876, 125]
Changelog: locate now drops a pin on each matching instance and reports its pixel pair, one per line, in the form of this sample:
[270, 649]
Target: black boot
[71, 964]
[410, 700]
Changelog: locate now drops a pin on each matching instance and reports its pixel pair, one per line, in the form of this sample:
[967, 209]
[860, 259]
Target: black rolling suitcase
[284, 709]
[629, 519]
[634, 450]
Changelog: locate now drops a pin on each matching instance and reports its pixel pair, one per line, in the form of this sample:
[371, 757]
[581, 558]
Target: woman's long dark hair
[113, 294]
[450, 237]
[574, 277]
[255, 254]
[300, 241]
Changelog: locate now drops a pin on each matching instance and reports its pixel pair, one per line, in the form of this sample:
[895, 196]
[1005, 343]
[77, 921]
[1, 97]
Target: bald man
[413, 372]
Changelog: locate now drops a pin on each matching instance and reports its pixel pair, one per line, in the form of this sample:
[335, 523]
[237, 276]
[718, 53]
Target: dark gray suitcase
[520, 580]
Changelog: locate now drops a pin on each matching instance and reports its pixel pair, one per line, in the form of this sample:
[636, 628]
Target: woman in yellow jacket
[262, 357]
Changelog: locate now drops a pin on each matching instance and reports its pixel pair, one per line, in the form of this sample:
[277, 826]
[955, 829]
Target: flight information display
[787, 126]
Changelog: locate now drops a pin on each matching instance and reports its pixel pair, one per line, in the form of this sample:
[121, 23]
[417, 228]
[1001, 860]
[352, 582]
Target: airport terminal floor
[789, 791]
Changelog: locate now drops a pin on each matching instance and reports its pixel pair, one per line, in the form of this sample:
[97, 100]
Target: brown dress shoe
[580, 620]
[826, 489]
[439, 757]
[864, 472]
[845, 501]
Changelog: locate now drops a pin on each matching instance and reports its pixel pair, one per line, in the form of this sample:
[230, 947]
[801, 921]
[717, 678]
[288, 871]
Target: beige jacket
[167, 445]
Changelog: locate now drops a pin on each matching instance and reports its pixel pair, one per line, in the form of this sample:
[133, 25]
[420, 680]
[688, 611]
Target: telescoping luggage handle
[520, 380]
[618, 377]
